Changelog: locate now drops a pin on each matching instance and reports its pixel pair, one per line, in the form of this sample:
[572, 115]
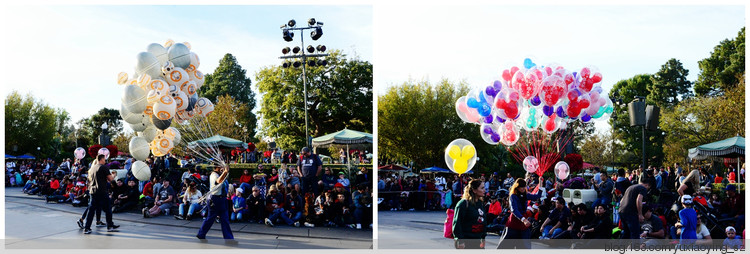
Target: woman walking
[517, 227]
[469, 219]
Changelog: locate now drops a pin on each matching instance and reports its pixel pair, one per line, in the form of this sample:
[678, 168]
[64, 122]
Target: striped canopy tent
[343, 137]
[218, 141]
[729, 148]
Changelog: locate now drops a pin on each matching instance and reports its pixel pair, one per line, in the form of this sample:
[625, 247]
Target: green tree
[230, 79]
[724, 68]
[417, 120]
[597, 149]
[669, 84]
[631, 137]
[702, 120]
[339, 96]
[31, 123]
[92, 127]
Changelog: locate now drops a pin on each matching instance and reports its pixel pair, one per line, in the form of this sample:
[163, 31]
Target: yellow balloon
[460, 166]
[467, 152]
[454, 152]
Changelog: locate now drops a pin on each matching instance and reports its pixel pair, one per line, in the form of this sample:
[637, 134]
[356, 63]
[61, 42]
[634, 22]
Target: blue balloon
[561, 112]
[535, 101]
[585, 118]
[548, 111]
[527, 63]
[473, 103]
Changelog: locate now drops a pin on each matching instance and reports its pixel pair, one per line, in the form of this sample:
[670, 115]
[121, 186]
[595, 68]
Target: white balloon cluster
[164, 87]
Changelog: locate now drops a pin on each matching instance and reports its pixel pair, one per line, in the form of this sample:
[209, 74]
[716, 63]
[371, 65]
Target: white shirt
[702, 232]
[214, 190]
[194, 199]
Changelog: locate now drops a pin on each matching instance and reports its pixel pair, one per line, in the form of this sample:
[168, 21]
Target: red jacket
[148, 189]
[54, 184]
[246, 179]
[495, 208]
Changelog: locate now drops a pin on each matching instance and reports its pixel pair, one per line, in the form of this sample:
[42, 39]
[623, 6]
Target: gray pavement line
[185, 226]
[30, 239]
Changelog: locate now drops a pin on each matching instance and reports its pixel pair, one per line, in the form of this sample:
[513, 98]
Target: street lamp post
[299, 53]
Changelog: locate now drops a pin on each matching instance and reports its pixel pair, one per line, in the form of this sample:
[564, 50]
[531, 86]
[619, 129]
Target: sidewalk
[14, 194]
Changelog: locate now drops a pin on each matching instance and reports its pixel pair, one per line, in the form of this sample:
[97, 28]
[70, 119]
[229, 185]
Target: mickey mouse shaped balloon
[460, 156]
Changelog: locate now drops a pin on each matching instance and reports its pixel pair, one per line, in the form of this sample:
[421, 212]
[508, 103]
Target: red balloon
[550, 125]
[569, 79]
[548, 70]
[513, 70]
[585, 73]
[597, 77]
[506, 75]
[572, 95]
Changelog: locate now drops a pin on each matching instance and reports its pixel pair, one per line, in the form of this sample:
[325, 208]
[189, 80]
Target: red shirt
[495, 208]
[246, 178]
[54, 184]
[148, 189]
[718, 179]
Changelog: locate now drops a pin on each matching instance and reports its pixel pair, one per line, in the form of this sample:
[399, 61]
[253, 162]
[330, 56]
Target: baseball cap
[305, 150]
[730, 229]
[687, 199]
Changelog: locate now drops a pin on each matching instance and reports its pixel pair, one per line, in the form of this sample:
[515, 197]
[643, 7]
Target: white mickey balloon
[159, 52]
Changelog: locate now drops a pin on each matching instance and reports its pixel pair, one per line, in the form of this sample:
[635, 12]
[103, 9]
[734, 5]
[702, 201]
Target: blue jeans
[297, 216]
[631, 228]
[359, 213]
[546, 232]
[191, 210]
[238, 215]
[218, 208]
[280, 213]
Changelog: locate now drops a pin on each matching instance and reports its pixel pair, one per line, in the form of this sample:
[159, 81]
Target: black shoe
[80, 223]
[100, 224]
[113, 229]
[46, 199]
[113, 226]
[179, 217]
[199, 237]
[87, 231]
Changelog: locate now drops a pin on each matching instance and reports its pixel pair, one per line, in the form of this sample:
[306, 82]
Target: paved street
[419, 230]
[32, 223]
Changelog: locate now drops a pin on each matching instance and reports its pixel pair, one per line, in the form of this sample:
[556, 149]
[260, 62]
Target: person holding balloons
[517, 226]
[469, 219]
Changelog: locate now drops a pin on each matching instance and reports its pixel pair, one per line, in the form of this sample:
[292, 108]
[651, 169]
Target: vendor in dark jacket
[469, 219]
[600, 227]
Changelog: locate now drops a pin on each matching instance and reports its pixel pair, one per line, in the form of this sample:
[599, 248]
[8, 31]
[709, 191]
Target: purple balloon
[500, 119]
[548, 111]
[487, 130]
[495, 138]
[585, 118]
[498, 85]
[535, 101]
[490, 90]
[575, 74]
[561, 112]
[488, 119]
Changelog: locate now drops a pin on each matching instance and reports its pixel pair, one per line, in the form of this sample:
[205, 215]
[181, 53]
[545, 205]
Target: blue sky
[474, 43]
[69, 56]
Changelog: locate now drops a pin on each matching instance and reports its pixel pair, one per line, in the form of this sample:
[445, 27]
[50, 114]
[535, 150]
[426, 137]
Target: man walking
[218, 206]
[311, 167]
[631, 208]
[99, 192]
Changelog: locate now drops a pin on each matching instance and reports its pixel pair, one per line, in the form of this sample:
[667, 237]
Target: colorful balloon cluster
[547, 97]
[164, 88]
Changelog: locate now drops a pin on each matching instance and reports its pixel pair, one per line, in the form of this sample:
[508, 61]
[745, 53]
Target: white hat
[687, 199]
[730, 228]
[528, 208]
[240, 190]
[534, 207]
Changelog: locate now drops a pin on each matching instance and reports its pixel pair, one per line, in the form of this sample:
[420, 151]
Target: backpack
[448, 227]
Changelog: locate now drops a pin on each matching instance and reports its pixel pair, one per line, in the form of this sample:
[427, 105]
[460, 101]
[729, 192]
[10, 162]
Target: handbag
[515, 223]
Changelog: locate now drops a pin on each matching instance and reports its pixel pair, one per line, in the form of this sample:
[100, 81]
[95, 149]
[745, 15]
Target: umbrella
[8, 156]
[26, 157]
[219, 141]
[343, 137]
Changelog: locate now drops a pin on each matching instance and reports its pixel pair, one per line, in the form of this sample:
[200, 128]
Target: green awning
[219, 141]
[728, 148]
[342, 137]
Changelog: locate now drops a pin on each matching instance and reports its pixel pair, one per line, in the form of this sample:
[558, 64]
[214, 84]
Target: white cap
[687, 199]
[730, 228]
[240, 190]
[528, 208]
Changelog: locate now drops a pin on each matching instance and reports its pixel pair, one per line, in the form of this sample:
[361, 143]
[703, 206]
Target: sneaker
[100, 224]
[114, 227]
[145, 212]
[87, 231]
[411, 209]
[269, 223]
[80, 223]
[352, 226]
[296, 224]
[179, 217]
[309, 225]
[359, 226]
[46, 199]
[112, 230]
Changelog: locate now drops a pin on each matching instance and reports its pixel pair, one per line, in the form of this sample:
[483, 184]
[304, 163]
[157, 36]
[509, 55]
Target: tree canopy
[339, 96]
[31, 123]
[725, 67]
[230, 79]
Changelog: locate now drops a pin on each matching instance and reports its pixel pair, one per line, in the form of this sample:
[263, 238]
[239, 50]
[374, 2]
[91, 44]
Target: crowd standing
[692, 206]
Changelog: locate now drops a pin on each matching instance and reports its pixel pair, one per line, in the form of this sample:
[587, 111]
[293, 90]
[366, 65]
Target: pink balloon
[562, 170]
[80, 153]
[510, 133]
[531, 164]
[529, 84]
[553, 88]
